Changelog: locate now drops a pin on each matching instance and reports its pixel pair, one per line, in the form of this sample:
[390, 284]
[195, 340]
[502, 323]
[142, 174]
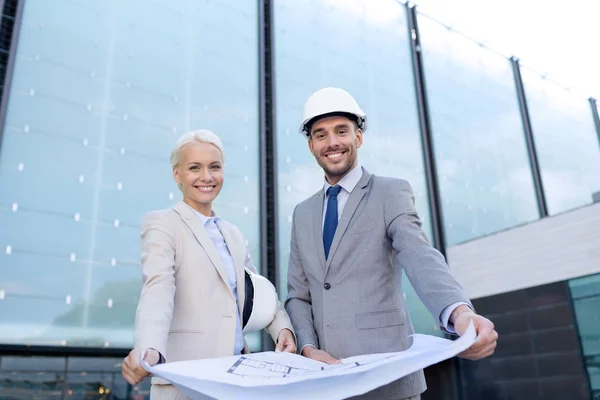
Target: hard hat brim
[312, 121]
[306, 126]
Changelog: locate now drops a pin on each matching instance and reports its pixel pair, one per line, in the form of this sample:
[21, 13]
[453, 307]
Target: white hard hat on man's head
[331, 101]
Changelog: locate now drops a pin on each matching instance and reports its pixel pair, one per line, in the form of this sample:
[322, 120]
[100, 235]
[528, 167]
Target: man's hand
[319, 355]
[285, 342]
[487, 336]
[132, 371]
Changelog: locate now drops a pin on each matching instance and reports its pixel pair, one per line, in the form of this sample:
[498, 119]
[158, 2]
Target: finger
[487, 338]
[485, 327]
[288, 347]
[129, 379]
[140, 373]
[474, 349]
[132, 362]
[292, 348]
[331, 360]
[479, 353]
[126, 370]
[152, 357]
[279, 347]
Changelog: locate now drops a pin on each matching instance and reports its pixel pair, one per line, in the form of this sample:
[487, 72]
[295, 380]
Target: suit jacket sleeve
[425, 266]
[299, 302]
[281, 319]
[155, 307]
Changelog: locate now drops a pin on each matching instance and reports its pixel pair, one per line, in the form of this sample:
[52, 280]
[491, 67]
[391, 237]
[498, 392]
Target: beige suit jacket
[186, 309]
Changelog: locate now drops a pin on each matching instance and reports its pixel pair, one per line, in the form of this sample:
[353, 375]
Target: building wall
[539, 284]
[539, 352]
[553, 249]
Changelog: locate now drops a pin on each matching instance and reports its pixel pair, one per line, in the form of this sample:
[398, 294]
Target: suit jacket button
[327, 286]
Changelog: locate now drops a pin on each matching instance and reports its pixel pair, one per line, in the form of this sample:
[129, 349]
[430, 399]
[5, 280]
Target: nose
[205, 175]
[333, 140]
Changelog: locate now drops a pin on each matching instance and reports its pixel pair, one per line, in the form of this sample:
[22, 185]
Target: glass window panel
[85, 385]
[32, 364]
[585, 293]
[365, 50]
[94, 364]
[566, 143]
[55, 277]
[36, 322]
[31, 386]
[100, 92]
[483, 166]
[35, 231]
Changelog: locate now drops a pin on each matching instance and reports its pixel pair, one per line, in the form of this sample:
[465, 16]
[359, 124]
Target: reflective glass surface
[566, 143]
[100, 92]
[76, 378]
[483, 168]
[586, 301]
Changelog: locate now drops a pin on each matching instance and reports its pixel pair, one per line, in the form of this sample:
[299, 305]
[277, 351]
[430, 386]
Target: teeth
[205, 188]
[336, 155]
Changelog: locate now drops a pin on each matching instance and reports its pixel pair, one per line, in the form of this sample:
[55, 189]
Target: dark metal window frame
[529, 139]
[269, 252]
[433, 187]
[427, 142]
[594, 105]
[10, 65]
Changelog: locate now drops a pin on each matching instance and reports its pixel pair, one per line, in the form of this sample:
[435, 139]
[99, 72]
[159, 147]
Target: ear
[310, 145]
[176, 175]
[359, 138]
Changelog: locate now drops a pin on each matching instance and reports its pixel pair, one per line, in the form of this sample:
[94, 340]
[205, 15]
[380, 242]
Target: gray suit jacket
[353, 303]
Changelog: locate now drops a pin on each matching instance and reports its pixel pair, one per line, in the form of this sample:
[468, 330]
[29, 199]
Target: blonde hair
[198, 136]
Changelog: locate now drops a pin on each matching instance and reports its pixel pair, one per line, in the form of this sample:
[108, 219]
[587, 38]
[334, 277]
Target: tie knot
[334, 190]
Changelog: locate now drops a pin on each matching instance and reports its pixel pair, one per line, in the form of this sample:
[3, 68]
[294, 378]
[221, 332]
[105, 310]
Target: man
[350, 242]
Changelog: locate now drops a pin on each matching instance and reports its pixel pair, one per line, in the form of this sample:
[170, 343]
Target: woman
[193, 273]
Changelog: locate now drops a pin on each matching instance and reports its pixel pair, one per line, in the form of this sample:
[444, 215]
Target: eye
[342, 131]
[194, 168]
[215, 167]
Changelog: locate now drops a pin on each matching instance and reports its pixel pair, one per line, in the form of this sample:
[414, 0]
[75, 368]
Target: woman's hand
[132, 371]
[285, 342]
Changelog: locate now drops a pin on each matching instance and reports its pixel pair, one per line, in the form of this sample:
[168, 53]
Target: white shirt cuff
[445, 316]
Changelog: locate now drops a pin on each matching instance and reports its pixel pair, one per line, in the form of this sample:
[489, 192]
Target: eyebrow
[338, 126]
[199, 163]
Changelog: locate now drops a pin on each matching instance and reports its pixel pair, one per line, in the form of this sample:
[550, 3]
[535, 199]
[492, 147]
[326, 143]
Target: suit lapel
[238, 253]
[317, 221]
[193, 222]
[349, 209]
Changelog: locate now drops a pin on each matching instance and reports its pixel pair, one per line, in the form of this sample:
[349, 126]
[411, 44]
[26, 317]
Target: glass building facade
[93, 112]
[96, 93]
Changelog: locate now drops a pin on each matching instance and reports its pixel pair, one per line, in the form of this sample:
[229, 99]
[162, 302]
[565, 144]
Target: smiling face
[199, 174]
[334, 142]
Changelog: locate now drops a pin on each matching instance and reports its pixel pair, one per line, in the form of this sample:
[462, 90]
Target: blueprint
[270, 375]
[272, 365]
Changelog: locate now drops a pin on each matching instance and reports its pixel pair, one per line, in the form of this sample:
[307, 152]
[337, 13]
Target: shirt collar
[205, 220]
[349, 181]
